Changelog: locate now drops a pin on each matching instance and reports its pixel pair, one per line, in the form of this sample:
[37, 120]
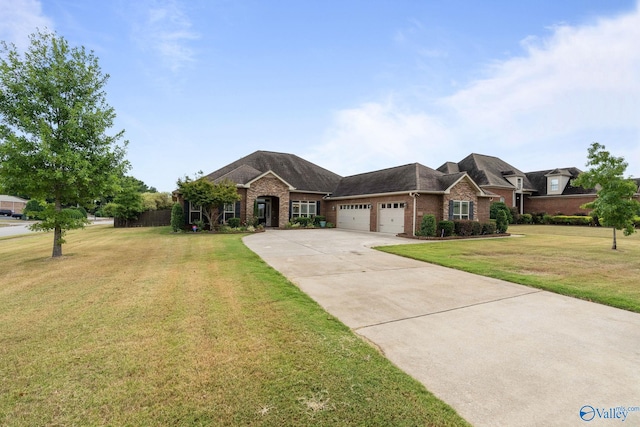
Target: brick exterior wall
[506, 193]
[464, 191]
[554, 205]
[434, 204]
[16, 207]
[268, 186]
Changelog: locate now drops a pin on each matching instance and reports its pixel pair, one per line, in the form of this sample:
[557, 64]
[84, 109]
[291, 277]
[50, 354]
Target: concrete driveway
[501, 354]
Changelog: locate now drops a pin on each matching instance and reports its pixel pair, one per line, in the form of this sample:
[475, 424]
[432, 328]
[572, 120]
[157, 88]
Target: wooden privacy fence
[146, 219]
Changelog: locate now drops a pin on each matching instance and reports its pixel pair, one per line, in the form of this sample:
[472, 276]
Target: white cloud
[539, 110]
[165, 29]
[19, 19]
[376, 135]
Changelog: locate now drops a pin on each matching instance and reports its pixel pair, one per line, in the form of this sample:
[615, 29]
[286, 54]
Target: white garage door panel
[354, 217]
[391, 218]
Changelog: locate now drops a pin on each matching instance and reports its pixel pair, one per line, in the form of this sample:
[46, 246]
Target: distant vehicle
[16, 215]
[6, 212]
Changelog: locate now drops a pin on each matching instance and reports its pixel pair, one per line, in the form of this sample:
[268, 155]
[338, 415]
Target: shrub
[546, 219]
[502, 224]
[234, 222]
[177, 217]
[489, 227]
[446, 228]
[476, 228]
[571, 220]
[428, 226]
[73, 213]
[499, 206]
[463, 227]
[636, 221]
[303, 221]
[330, 225]
[317, 219]
[33, 209]
[526, 218]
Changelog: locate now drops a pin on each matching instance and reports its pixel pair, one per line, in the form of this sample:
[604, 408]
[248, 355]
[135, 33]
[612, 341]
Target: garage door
[354, 217]
[391, 217]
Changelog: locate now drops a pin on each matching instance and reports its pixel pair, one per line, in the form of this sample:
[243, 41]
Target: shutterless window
[554, 184]
[303, 209]
[460, 209]
[195, 213]
[229, 211]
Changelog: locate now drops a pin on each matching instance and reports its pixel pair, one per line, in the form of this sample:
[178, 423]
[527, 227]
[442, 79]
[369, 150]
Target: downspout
[415, 202]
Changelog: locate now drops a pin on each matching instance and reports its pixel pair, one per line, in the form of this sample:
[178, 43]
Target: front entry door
[264, 212]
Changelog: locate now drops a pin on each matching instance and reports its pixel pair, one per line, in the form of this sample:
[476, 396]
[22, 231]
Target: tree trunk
[57, 245]
[615, 244]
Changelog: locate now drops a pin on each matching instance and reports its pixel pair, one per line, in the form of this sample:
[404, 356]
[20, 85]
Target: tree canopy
[615, 205]
[208, 195]
[53, 123]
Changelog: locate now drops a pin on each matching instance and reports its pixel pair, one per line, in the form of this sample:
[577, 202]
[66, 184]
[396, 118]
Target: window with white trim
[303, 209]
[555, 184]
[195, 213]
[229, 212]
[460, 209]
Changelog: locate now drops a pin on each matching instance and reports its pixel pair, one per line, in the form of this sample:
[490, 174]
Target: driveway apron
[501, 354]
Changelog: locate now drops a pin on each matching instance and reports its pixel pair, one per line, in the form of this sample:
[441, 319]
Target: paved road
[501, 354]
[16, 229]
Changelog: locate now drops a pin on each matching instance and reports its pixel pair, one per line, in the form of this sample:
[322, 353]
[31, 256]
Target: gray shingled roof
[488, 171]
[539, 181]
[300, 173]
[411, 177]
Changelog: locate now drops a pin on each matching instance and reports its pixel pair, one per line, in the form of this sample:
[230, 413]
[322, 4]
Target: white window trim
[297, 208]
[460, 215]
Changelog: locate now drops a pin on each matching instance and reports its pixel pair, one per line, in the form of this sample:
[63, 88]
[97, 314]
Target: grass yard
[143, 327]
[574, 261]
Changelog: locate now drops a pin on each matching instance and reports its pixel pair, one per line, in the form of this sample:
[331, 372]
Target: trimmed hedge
[446, 228]
[570, 220]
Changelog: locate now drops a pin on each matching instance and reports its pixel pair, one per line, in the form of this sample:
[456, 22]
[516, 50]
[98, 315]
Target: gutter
[415, 196]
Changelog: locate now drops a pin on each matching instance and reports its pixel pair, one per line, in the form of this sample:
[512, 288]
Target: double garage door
[354, 217]
[358, 217]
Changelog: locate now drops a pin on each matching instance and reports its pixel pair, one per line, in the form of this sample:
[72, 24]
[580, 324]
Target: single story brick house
[12, 203]
[279, 187]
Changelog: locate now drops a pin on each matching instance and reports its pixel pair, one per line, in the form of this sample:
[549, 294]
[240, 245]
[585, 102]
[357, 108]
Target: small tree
[53, 119]
[500, 206]
[177, 217]
[428, 226]
[127, 204]
[208, 195]
[502, 222]
[614, 206]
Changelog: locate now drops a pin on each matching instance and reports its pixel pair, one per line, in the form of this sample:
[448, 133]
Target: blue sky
[356, 86]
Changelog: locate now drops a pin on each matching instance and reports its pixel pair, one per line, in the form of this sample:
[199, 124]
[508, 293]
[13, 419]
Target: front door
[264, 211]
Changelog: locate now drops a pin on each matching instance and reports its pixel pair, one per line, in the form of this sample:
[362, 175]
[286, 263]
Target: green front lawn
[143, 327]
[569, 260]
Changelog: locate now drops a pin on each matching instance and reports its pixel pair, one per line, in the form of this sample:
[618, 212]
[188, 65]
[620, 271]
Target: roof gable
[295, 171]
[492, 171]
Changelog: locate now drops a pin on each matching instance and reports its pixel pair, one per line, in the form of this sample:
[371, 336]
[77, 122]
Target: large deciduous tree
[210, 196]
[53, 123]
[614, 205]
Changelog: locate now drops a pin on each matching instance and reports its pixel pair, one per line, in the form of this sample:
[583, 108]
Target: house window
[229, 212]
[519, 184]
[460, 210]
[554, 184]
[303, 209]
[195, 213]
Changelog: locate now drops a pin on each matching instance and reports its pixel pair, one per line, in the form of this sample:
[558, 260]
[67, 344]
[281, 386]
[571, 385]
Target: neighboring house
[497, 177]
[554, 193]
[279, 187]
[15, 204]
